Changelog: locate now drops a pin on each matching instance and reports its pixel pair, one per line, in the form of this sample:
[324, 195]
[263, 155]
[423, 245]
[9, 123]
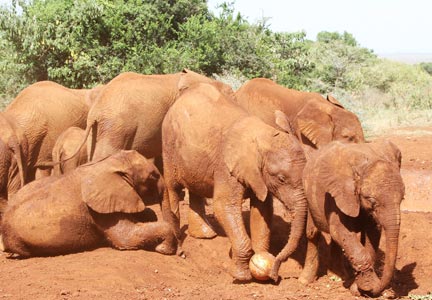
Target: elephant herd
[143, 139]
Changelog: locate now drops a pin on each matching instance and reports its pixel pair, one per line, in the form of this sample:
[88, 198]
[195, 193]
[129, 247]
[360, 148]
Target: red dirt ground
[111, 274]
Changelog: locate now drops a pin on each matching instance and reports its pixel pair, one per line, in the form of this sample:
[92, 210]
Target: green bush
[427, 67]
[81, 43]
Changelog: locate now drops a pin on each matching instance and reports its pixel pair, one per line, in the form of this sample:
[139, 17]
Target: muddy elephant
[214, 148]
[353, 191]
[30, 125]
[95, 205]
[65, 147]
[317, 121]
[129, 112]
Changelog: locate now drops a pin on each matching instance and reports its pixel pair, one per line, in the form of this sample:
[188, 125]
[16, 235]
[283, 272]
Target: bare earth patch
[111, 274]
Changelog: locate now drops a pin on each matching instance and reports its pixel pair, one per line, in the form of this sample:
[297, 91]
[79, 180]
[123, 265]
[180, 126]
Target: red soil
[111, 274]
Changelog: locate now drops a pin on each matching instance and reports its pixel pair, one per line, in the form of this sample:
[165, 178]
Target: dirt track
[110, 274]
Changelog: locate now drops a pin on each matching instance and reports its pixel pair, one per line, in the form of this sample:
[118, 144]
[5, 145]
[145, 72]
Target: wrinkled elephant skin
[315, 120]
[353, 191]
[94, 205]
[214, 148]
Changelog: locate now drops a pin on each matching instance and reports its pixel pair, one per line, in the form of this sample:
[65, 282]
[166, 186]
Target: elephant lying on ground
[30, 126]
[353, 191]
[65, 147]
[317, 121]
[214, 148]
[96, 204]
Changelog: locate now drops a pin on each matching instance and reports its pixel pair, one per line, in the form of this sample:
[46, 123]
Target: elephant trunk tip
[274, 273]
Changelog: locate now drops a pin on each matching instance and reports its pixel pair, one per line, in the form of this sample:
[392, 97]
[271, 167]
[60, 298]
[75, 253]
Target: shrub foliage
[81, 43]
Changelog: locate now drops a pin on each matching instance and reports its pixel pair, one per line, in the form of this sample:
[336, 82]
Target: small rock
[389, 294]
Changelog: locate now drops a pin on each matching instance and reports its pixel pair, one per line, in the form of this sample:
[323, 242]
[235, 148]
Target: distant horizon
[408, 58]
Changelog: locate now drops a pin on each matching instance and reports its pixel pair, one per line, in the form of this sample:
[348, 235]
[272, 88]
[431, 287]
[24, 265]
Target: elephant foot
[306, 278]
[241, 274]
[201, 231]
[165, 249]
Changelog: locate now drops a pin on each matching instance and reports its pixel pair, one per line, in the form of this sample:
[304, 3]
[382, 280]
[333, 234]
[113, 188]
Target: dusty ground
[110, 274]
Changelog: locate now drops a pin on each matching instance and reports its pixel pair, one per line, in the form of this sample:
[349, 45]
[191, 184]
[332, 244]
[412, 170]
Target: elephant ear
[243, 161]
[315, 124]
[107, 187]
[282, 121]
[391, 152]
[334, 101]
[340, 179]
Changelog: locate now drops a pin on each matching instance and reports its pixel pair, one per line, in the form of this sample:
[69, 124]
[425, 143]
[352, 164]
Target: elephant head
[367, 178]
[189, 78]
[273, 164]
[321, 122]
[13, 157]
[126, 182]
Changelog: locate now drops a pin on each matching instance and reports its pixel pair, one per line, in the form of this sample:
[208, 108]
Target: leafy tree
[338, 60]
[330, 37]
[79, 43]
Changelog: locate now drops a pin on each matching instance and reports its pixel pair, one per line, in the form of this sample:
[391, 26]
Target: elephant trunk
[391, 227]
[297, 230]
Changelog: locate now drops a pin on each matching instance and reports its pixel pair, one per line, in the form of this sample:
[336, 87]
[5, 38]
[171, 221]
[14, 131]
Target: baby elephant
[66, 146]
[97, 204]
[353, 191]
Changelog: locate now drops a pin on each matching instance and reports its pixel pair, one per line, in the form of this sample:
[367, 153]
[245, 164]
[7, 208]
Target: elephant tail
[51, 164]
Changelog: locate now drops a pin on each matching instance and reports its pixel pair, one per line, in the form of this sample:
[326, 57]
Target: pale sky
[386, 26]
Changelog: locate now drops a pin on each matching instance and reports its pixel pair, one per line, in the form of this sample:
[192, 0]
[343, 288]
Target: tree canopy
[82, 43]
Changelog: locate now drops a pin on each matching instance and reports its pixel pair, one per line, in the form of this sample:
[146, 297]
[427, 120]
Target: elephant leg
[310, 269]
[108, 138]
[127, 235]
[171, 212]
[198, 224]
[356, 253]
[261, 214]
[228, 210]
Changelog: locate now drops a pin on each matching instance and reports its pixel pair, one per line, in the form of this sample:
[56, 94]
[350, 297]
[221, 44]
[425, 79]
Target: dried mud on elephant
[111, 274]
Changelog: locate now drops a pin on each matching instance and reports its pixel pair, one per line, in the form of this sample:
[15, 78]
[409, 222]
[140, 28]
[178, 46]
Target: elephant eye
[154, 176]
[281, 178]
[349, 138]
[371, 200]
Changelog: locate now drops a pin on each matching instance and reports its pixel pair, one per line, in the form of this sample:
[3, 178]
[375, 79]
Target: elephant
[31, 124]
[316, 120]
[354, 191]
[64, 147]
[129, 112]
[214, 148]
[99, 203]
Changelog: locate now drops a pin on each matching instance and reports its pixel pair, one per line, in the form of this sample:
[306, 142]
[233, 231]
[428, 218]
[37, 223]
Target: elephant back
[43, 111]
